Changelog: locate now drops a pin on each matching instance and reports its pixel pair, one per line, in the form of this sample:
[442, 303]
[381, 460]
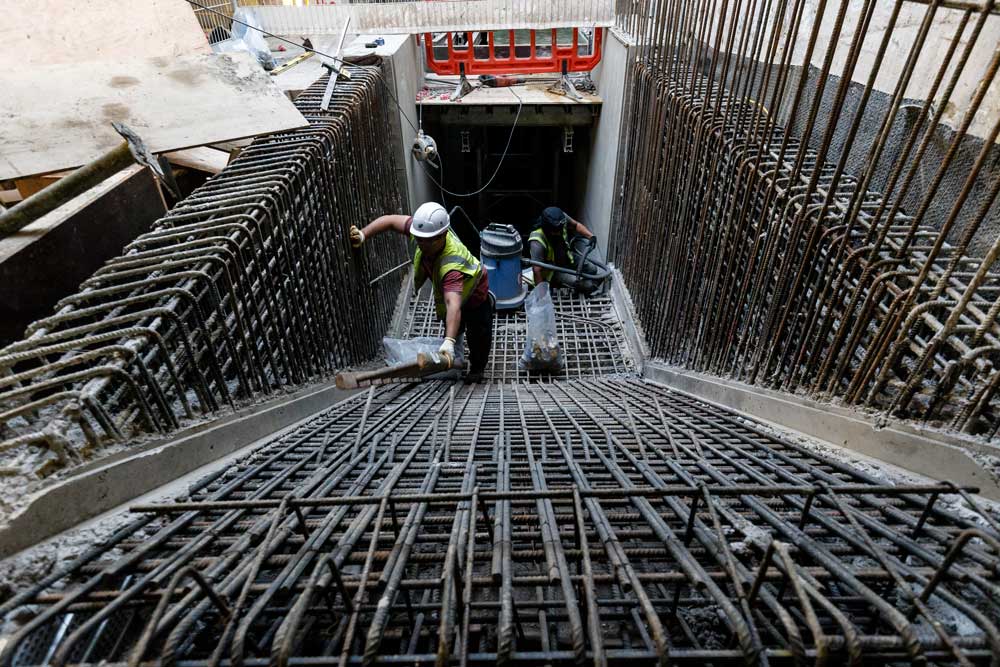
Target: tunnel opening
[543, 161]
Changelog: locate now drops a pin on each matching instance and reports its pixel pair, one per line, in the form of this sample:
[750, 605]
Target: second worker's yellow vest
[550, 251]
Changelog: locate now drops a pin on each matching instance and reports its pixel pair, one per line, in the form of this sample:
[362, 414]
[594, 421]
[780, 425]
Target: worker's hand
[357, 236]
[592, 242]
[447, 349]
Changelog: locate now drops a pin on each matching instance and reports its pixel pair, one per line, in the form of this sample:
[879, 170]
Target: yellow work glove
[357, 236]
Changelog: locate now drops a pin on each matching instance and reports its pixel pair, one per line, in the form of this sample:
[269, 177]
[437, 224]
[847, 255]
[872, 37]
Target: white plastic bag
[542, 351]
[405, 350]
[247, 39]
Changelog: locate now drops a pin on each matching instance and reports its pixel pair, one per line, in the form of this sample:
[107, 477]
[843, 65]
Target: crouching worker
[461, 287]
[561, 241]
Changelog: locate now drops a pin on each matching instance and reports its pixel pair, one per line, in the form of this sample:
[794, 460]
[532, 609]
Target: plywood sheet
[59, 116]
[49, 32]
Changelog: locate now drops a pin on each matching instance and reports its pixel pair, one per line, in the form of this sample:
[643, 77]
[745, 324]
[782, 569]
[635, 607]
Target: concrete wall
[944, 28]
[406, 74]
[598, 200]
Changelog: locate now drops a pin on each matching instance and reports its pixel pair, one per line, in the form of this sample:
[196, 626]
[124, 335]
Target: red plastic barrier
[534, 59]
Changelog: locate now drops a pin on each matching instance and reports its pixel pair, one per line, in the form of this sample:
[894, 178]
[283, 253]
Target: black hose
[605, 271]
[583, 259]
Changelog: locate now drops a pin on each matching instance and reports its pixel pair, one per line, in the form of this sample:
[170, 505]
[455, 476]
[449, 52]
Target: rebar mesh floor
[582, 522]
[589, 331]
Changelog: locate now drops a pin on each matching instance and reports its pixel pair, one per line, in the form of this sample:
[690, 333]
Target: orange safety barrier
[512, 58]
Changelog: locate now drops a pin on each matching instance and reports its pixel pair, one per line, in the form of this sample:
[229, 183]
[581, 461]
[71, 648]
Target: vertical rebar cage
[244, 287]
[816, 181]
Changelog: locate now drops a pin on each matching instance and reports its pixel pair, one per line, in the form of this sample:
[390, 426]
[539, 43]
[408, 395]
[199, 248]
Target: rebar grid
[782, 268]
[581, 522]
[589, 331]
[246, 286]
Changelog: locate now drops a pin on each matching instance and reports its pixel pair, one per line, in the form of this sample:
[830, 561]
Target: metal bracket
[336, 69]
[464, 87]
[565, 87]
[142, 155]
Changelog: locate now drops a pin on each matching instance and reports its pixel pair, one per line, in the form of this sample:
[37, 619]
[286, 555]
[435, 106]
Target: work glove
[447, 349]
[357, 237]
[592, 242]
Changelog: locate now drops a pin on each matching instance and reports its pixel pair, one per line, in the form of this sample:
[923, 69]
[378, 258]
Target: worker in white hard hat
[462, 297]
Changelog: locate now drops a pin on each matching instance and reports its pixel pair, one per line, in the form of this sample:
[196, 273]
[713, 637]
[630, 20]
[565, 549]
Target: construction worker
[561, 241]
[461, 286]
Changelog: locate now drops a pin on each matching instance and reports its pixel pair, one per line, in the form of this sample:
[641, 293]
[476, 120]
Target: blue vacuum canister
[500, 251]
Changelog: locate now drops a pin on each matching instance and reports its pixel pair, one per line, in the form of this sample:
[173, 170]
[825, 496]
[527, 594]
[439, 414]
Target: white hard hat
[430, 220]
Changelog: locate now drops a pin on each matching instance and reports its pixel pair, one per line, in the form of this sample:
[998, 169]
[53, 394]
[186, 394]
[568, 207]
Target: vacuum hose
[605, 271]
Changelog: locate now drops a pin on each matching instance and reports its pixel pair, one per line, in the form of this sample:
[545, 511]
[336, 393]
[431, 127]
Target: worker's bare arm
[453, 318]
[537, 272]
[537, 251]
[581, 229]
[396, 223]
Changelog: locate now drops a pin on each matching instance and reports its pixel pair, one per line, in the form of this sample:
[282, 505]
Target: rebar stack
[247, 285]
[582, 522]
[815, 229]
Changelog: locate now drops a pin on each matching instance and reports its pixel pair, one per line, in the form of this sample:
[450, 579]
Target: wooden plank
[50, 32]
[11, 244]
[529, 94]
[59, 116]
[10, 197]
[32, 184]
[201, 158]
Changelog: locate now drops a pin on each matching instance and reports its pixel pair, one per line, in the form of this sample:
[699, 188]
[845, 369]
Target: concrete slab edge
[109, 485]
[399, 316]
[634, 336]
[933, 455]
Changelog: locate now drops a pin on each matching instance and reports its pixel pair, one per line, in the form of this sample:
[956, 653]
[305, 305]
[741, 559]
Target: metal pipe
[66, 188]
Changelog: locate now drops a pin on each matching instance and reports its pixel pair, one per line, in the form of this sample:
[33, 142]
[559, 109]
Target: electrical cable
[395, 100]
[503, 156]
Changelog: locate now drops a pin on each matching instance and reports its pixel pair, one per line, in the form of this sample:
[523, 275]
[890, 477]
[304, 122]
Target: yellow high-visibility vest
[550, 251]
[454, 257]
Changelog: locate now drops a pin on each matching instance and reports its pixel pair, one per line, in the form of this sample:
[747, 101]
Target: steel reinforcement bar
[585, 522]
[819, 231]
[247, 285]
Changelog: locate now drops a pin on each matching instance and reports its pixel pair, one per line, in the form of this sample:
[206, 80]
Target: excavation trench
[591, 516]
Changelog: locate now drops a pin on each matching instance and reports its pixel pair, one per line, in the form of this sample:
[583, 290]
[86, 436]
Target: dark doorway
[540, 169]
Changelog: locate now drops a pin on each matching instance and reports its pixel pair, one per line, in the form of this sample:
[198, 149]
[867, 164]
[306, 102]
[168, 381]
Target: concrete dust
[21, 484]
[28, 567]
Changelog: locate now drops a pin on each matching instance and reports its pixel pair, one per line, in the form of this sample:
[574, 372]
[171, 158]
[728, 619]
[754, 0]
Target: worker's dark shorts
[477, 323]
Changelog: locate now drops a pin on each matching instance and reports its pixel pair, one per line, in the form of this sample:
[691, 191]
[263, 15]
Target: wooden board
[529, 94]
[202, 158]
[50, 32]
[59, 116]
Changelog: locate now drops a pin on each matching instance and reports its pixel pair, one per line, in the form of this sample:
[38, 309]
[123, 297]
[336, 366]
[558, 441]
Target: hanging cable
[503, 156]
